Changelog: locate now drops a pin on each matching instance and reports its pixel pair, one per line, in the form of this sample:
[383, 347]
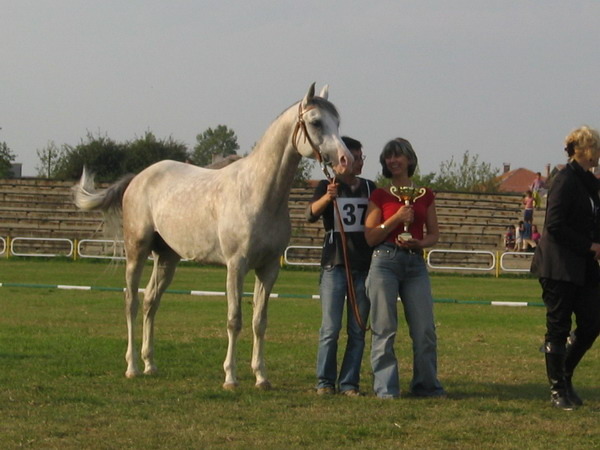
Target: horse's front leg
[265, 279]
[235, 285]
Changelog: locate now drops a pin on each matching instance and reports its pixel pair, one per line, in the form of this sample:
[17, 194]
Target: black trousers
[562, 300]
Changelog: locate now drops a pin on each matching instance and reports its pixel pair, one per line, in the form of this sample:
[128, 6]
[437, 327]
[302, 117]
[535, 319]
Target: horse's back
[206, 215]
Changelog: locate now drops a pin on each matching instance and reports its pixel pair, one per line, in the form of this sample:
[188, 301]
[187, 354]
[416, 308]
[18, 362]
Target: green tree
[100, 154]
[221, 141]
[6, 159]
[147, 150]
[304, 172]
[469, 175]
[49, 158]
[417, 179]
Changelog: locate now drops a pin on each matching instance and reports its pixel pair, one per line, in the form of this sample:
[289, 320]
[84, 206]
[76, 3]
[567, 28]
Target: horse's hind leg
[165, 264]
[133, 273]
[265, 279]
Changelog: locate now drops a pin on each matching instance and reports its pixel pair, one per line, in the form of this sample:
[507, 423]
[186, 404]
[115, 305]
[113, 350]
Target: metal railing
[471, 260]
[16, 240]
[117, 248]
[485, 260]
[485, 268]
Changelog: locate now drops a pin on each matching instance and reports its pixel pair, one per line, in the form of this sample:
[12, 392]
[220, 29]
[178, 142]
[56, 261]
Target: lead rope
[349, 280]
[350, 291]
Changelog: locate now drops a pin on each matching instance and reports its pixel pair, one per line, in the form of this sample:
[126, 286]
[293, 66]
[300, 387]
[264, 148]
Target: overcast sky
[506, 80]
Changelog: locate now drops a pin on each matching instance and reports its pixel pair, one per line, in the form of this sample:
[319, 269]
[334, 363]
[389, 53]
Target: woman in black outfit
[566, 262]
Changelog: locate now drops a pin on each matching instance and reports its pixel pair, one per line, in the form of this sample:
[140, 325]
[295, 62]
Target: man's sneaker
[326, 391]
[351, 393]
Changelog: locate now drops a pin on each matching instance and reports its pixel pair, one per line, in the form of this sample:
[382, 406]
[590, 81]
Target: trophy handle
[395, 193]
[422, 191]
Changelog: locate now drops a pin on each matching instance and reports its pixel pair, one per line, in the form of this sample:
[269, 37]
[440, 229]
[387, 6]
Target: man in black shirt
[352, 195]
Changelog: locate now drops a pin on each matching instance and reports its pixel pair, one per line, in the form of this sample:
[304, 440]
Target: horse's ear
[309, 95]
[324, 92]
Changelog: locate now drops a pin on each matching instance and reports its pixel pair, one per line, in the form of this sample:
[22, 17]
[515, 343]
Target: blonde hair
[581, 139]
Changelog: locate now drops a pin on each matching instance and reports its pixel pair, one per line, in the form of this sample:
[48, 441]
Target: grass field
[62, 366]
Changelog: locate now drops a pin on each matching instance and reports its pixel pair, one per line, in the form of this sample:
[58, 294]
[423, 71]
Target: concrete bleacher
[38, 208]
[44, 208]
[474, 221]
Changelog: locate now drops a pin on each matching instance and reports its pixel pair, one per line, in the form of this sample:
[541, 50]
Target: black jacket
[571, 226]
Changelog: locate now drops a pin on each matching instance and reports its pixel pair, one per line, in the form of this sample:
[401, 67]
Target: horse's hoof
[230, 386]
[131, 374]
[151, 371]
[263, 386]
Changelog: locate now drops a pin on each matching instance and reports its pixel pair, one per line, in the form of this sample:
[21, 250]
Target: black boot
[575, 399]
[574, 352]
[555, 368]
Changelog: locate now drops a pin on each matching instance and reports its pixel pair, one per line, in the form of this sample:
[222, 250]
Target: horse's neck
[273, 163]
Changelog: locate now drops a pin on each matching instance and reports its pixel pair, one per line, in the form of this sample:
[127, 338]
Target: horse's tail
[109, 200]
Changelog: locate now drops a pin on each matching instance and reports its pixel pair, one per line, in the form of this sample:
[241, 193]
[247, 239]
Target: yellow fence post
[497, 264]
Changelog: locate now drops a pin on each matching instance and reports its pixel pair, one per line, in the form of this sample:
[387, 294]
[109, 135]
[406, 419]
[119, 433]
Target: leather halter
[301, 128]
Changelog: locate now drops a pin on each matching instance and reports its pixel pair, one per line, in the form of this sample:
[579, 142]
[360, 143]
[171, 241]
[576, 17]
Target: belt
[403, 249]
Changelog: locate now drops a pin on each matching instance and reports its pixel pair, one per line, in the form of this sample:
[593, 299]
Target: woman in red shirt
[398, 269]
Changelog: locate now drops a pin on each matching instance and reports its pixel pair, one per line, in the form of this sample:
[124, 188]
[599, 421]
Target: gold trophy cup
[407, 195]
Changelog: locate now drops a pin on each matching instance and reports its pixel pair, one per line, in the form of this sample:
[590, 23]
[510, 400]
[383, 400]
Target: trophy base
[405, 236]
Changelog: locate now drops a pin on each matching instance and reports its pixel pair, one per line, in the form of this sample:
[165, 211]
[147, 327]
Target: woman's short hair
[398, 147]
[580, 139]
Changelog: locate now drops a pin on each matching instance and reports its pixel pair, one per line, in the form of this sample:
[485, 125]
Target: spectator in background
[536, 186]
[528, 204]
[535, 234]
[509, 238]
[519, 237]
[528, 242]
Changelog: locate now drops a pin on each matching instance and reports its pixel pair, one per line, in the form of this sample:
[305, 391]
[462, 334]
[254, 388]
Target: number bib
[353, 211]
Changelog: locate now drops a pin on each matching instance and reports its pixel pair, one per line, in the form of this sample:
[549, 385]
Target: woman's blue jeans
[333, 298]
[395, 272]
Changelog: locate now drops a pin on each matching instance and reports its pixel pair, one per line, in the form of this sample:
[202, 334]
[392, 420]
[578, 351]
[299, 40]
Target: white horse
[237, 216]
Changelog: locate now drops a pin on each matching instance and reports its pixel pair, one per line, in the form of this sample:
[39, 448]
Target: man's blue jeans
[396, 272]
[333, 298]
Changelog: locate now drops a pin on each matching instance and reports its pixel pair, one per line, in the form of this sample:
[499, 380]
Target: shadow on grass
[507, 392]
[17, 356]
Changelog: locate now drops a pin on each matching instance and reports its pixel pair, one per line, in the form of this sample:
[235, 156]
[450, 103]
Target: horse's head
[317, 132]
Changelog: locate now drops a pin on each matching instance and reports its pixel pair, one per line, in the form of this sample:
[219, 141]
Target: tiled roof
[518, 180]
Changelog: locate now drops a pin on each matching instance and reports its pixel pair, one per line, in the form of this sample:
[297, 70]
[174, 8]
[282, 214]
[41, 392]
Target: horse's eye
[317, 123]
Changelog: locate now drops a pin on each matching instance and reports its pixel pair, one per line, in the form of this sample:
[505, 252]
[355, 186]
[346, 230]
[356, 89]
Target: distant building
[519, 180]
